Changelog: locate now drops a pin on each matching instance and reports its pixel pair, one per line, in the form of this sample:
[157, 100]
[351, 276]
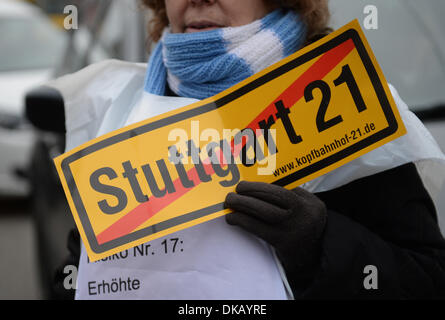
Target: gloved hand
[292, 221]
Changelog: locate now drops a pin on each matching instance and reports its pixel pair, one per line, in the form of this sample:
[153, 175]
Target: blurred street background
[35, 46]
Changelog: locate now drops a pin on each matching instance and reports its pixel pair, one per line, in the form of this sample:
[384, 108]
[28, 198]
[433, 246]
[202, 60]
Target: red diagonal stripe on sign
[290, 96]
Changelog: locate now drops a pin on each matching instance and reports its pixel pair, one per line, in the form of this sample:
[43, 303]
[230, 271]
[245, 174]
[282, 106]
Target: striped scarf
[202, 64]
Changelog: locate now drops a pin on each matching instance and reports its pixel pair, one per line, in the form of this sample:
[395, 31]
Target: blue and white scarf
[202, 64]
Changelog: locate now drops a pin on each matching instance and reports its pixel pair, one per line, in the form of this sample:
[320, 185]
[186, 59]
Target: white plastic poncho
[212, 260]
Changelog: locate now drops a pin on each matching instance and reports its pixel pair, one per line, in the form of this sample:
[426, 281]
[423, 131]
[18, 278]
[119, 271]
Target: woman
[325, 241]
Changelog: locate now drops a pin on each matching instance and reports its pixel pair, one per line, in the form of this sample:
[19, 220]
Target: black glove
[292, 221]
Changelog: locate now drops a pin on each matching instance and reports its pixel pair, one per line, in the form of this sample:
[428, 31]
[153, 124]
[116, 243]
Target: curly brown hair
[315, 14]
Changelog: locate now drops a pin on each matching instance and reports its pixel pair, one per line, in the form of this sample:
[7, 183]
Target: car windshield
[29, 43]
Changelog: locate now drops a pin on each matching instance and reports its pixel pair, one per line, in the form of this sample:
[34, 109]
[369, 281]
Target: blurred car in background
[31, 46]
[34, 50]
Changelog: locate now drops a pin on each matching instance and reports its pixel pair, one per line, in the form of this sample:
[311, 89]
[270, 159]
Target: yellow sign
[310, 113]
